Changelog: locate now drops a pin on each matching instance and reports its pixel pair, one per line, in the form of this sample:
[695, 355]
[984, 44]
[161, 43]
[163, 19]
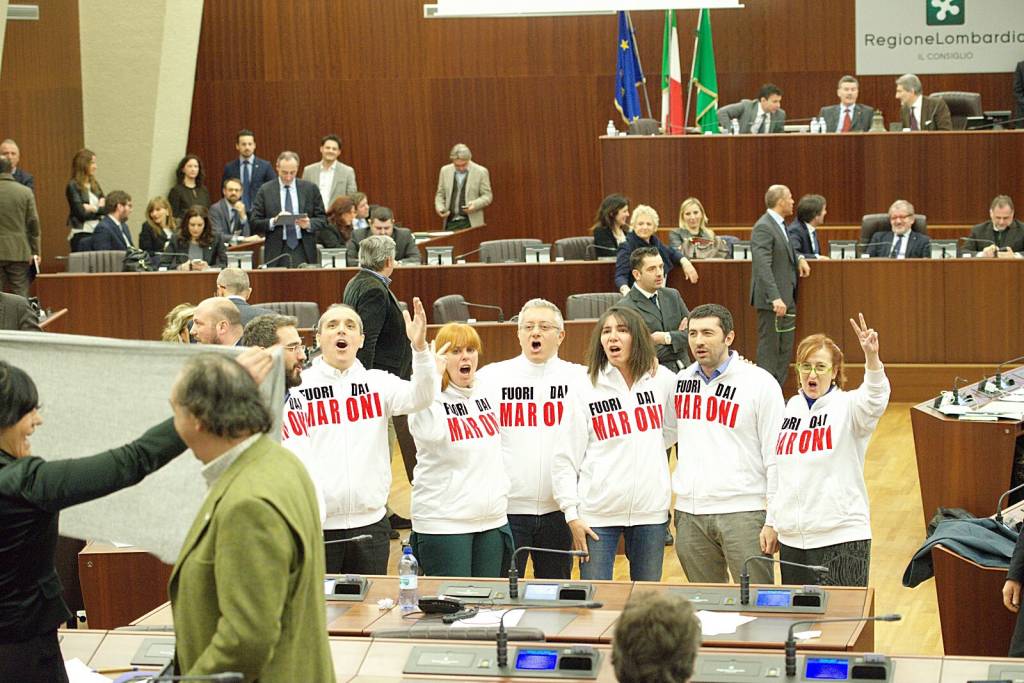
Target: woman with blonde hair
[693, 238]
[176, 324]
[643, 233]
[86, 201]
[460, 489]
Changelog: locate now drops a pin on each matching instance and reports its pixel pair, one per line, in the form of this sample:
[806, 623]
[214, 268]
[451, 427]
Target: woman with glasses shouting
[821, 508]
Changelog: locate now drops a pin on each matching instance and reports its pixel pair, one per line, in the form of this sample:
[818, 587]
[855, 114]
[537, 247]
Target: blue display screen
[541, 591]
[773, 598]
[536, 660]
[823, 669]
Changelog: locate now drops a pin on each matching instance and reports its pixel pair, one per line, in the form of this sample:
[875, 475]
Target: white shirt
[903, 245]
[212, 470]
[327, 182]
[760, 119]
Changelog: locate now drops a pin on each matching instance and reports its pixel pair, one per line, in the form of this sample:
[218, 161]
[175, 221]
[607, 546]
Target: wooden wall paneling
[41, 109]
[985, 329]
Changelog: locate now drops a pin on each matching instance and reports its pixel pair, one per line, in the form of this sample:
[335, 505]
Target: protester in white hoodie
[336, 421]
[533, 392]
[618, 485]
[821, 510]
[460, 489]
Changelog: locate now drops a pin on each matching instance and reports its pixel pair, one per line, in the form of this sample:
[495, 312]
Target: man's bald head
[217, 321]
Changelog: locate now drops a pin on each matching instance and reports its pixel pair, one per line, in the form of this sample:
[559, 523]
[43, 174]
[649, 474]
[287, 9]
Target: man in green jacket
[247, 589]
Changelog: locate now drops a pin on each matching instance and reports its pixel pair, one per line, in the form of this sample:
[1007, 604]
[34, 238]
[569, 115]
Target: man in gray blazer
[773, 285]
[848, 116]
[17, 314]
[763, 115]
[19, 231]
[330, 175]
[463, 191]
[661, 307]
[228, 216]
[382, 222]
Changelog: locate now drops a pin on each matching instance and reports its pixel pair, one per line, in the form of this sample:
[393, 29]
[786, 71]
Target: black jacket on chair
[386, 346]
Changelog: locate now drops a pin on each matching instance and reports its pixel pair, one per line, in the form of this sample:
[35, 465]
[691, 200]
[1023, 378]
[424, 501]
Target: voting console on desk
[563, 594]
[805, 600]
[572, 662]
[346, 587]
[715, 668]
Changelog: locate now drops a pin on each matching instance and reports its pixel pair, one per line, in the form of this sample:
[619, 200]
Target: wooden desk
[971, 612]
[119, 584]
[857, 174]
[80, 643]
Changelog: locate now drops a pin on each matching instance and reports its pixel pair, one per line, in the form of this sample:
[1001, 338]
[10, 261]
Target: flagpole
[636, 51]
[693, 65]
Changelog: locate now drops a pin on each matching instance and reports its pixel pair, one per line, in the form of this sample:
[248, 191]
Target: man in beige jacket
[463, 191]
[19, 231]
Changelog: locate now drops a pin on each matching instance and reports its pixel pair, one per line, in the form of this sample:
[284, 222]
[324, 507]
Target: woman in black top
[32, 494]
[197, 243]
[610, 225]
[340, 218]
[190, 190]
[86, 202]
[159, 227]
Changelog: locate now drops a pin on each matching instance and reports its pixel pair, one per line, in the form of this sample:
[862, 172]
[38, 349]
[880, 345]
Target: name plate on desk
[554, 593]
[809, 600]
[574, 662]
[350, 588]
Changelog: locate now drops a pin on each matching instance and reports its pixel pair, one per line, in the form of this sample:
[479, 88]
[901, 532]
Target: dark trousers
[476, 554]
[543, 531]
[456, 223]
[1016, 642]
[405, 443]
[360, 557]
[37, 660]
[848, 564]
[14, 274]
[774, 349]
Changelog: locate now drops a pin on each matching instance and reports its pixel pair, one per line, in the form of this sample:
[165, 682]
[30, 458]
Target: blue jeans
[645, 550]
[543, 531]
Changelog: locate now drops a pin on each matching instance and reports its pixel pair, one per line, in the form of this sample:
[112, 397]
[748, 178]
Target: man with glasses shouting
[534, 388]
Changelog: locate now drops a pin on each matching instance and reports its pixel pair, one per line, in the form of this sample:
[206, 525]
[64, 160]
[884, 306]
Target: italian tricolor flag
[671, 79]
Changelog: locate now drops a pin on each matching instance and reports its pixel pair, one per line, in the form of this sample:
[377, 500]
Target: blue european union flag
[628, 75]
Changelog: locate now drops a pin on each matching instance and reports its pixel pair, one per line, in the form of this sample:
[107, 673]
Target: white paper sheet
[491, 617]
[807, 635]
[721, 623]
[78, 672]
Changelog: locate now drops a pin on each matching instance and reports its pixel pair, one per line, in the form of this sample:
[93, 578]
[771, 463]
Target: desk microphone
[513, 571]
[501, 312]
[226, 677]
[958, 382]
[858, 249]
[999, 372]
[791, 640]
[999, 506]
[468, 253]
[993, 124]
[354, 539]
[172, 254]
[595, 247]
[501, 639]
[745, 577]
[964, 241]
[277, 258]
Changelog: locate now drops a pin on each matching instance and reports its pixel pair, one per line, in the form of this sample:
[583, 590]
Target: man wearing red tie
[848, 116]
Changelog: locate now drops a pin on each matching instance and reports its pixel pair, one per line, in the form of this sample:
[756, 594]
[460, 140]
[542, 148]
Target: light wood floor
[897, 525]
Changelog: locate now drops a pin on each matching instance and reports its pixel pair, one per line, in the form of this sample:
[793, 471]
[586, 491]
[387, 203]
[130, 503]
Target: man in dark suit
[229, 216]
[847, 116]
[774, 282]
[216, 321]
[763, 115]
[281, 197]
[382, 222]
[249, 168]
[919, 112]
[1002, 235]
[17, 314]
[111, 233]
[803, 232]
[901, 241]
[233, 285]
[9, 150]
[19, 231]
[385, 345]
[661, 307]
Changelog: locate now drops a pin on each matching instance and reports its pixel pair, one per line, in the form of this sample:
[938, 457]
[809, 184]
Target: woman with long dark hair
[190, 190]
[340, 218]
[197, 243]
[611, 224]
[86, 201]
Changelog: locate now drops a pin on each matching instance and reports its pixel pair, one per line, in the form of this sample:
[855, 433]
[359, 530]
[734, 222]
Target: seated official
[656, 639]
[337, 232]
[362, 210]
[611, 225]
[643, 226]
[111, 233]
[901, 241]
[693, 238]
[919, 112]
[1001, 235]
[17, 314]
[803, 232]
[159, 227]
[382, 222]
[763, 115]
[848, 116]
[196, 246]
[229, 216]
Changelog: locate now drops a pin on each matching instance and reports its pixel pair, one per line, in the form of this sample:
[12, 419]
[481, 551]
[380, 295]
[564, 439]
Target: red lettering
[520, 418]
[818, 440]
[321, 413]
[366, 406]
[549, 414]
[454, 430]
[472, 426]
[335, 411]
[805, 441]
[624, 420]
[599, 431]
[712, 410]
[505, 411]
[678, 405]
[613, 430]
[352, 409]
[656, 414]
[488, 427]
[641, 418]
[828, 437]
[295, 423]
[779, 443]
[696, 407]
[789, 443]
[531, 413]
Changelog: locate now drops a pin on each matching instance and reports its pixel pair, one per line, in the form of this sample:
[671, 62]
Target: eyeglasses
[543, 327]
[293, 347]
[899, 216]
[818, 368]
[785, 323]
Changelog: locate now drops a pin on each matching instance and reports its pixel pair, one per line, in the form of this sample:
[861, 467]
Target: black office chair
[961, 106]
[575, 248]
[504, 251]
[644, 127]
[308, 312]
[876, 222]
[453, 308]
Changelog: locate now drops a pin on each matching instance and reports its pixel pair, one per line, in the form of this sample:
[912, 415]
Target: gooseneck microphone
[468, 253]
[791, 639]
[513, 571]
[999, 506]
[355, 539]
[745, 576]
[999, 371]
[279, 257]
[501, 640]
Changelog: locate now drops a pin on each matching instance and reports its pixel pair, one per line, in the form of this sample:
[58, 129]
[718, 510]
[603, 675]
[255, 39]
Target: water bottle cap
[407, 550]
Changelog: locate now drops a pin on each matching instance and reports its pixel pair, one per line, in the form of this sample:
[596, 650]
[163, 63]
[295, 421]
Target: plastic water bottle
[408, 581]
[814, 125]
[611, 130]
[822, 126]
[735, 126]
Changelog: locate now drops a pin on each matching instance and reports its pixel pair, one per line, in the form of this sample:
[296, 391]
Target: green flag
[705, 79]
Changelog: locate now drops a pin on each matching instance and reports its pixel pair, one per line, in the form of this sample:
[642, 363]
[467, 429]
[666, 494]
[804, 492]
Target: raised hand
[868, 339]
[440, 356]
[416, 326]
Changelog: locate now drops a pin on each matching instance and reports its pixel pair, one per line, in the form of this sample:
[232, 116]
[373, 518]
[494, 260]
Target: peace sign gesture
[868, 339]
